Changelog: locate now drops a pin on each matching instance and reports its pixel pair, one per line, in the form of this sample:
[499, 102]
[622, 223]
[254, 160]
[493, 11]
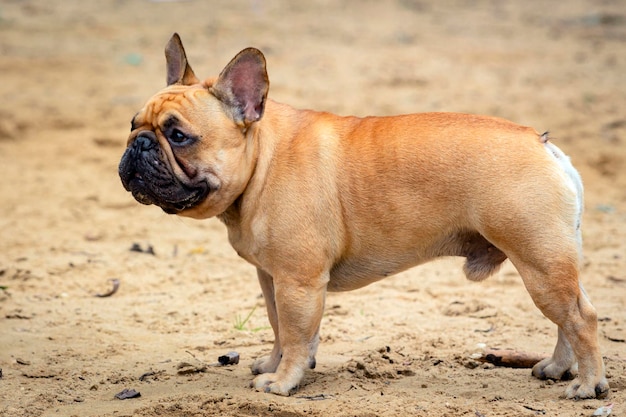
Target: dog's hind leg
[562, 365]
[577, 338]
[554, 288]
[544, 243]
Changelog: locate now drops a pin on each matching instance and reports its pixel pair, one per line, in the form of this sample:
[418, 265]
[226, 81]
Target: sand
[74, 73]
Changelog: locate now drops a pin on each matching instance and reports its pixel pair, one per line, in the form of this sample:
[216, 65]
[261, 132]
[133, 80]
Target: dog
[319, 202]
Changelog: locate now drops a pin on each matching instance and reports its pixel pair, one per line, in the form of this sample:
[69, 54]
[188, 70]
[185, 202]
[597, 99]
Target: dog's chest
[246, 241]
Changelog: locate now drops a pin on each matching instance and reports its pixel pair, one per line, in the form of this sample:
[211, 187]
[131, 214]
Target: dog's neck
[231, 217]
[261, 137]
[279, 125]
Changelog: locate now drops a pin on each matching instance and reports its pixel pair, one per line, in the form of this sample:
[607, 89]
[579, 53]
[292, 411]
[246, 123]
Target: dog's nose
[145, 140]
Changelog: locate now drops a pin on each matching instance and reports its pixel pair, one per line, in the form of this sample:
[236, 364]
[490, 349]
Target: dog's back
[415, 187]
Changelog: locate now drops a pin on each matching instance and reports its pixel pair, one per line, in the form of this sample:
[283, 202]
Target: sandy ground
[72, 74]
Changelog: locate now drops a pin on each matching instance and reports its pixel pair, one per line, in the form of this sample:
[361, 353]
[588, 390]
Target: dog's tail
[574, 182]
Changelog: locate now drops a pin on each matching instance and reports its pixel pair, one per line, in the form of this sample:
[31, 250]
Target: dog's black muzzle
[144, 172]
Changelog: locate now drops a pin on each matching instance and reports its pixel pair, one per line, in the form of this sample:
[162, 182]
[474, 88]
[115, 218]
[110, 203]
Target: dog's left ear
[243, 86]
[178, 70]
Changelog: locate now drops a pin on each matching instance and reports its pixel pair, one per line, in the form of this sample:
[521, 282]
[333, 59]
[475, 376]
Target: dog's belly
[358, 270]
[353, 273]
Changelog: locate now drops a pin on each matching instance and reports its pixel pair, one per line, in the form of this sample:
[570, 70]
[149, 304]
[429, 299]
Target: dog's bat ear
[178, 70]
[243, 86]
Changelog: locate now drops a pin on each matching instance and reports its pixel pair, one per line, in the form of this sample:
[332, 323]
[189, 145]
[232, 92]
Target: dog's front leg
[299, 309]
[269, 363]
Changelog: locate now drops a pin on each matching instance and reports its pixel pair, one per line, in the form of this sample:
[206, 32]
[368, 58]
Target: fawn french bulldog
[318, 202]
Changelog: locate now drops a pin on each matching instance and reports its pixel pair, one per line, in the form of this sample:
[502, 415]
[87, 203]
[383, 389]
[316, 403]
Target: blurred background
[72, 75]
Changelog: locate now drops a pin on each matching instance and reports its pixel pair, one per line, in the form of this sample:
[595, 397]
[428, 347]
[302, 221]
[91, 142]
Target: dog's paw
[270, 383]
[550, 369]
[582, 391]
[265, 365]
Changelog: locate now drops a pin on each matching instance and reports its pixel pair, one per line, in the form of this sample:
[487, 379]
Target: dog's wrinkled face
[190, 150]
[179, 155]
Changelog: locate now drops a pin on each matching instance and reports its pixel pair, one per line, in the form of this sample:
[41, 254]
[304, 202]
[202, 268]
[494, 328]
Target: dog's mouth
[172, 200]
[151, 181]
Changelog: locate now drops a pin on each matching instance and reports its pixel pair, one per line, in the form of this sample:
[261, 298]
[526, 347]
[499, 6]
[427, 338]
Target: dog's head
[191, 147]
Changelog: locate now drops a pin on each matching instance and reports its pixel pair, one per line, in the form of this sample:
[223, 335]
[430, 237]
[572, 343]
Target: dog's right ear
[178, 70]
[243, 86]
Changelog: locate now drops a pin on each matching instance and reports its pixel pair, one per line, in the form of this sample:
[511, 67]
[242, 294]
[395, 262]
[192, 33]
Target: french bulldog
[319, 202]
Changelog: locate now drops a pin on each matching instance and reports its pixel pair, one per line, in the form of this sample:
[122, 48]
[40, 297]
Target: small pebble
[127, 393]
[231, 358]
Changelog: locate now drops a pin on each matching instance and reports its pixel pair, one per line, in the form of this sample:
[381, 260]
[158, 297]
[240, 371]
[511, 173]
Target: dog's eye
[177, 137]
